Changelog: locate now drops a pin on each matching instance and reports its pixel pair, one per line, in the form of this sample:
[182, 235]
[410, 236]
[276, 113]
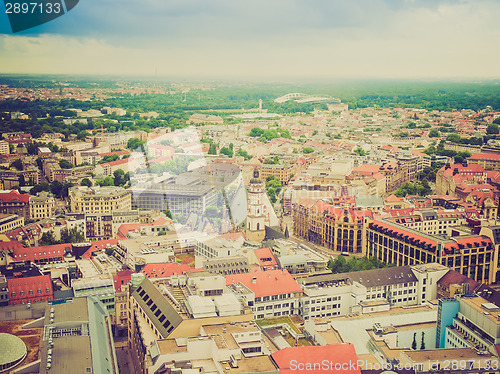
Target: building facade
[99, 199]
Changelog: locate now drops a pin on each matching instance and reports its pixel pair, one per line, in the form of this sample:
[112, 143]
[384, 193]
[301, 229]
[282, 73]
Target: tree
[134, 143]
[434, 133]
[493, 129]
[226, 151]
[82, 135]
[243, 154]
[56, 188]
[454, 137]
[107, 181]
[73, 235]
[65, 189]
[360, 151]
[18, 164]
[422, 342]
[307, 150]
[274, 160]
[118, 177]
[414, 344]
[108, 158]
[256, 131]
[65, 164]
[48, 238]
[338, 265]
[168, 213]
[86, 182]
[44, 186]
[213, 149]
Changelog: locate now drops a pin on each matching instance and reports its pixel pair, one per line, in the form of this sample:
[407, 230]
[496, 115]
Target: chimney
[254, 280]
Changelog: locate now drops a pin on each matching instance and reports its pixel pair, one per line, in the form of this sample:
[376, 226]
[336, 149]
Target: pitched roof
[121, 277]
[10, 246]
[393, 199]
[454, 277]
[263, 255]
[40, 253]
[309, 359]
[40, 286]
[99, 245]
[13, 197]
[117, 162]
[485, 156]
[267, 283]
[165, 269]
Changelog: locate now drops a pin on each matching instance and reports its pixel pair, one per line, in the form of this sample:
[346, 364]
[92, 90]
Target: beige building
[99, 199]
[4, 148]
[9, 222]
[489, 161]
[42, 205]
[178, 307]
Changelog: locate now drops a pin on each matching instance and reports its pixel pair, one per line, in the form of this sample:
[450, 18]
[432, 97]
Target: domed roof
[12, 350]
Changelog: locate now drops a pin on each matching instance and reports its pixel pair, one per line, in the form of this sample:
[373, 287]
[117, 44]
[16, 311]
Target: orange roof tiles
[331, 358]
[267, 283]
[165, 269]
[14, 197]
[485, 156]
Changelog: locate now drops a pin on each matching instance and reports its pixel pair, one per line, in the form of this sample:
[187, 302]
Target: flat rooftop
[492, 312]
[255, 364]
[446, 354]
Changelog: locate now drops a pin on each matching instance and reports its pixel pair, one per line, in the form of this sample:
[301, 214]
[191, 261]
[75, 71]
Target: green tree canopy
[434, 133]
[307, 150]
[493, 129]
[65, 164]
[86, 182]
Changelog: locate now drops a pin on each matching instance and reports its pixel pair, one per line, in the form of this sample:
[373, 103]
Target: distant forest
[232, 98]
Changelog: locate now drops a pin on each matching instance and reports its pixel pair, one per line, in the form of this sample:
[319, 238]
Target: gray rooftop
[370, 278]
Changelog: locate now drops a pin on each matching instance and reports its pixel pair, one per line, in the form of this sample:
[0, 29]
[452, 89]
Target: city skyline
[282, 40]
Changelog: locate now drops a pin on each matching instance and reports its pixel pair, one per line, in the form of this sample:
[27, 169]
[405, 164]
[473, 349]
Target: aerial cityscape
[220, 187]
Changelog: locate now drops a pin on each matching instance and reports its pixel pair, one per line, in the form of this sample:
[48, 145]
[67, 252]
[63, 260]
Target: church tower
[255, 226]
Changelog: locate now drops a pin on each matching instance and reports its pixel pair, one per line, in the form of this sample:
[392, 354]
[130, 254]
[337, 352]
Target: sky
[263, 40]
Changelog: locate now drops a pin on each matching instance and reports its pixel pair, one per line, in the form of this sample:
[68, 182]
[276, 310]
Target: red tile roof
[267, 283]
[232, 235]
[121, 277]
[338, 358]
[266, 258]
[165, 269]
[41, 253]
[366, 169]
[393, 199]
[10, 246]
[14, 197]
[454, 277]
[117, 162]
[99, 245]
[485, 156]
[29, 289]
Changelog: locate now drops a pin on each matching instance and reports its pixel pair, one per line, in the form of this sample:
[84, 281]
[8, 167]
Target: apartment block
[99, 199]
[42, 205]
[270, 294]
[339, 229]
[471, 255]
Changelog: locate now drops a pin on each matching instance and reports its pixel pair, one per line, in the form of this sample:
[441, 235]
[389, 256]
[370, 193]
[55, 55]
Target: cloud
[279, 38]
